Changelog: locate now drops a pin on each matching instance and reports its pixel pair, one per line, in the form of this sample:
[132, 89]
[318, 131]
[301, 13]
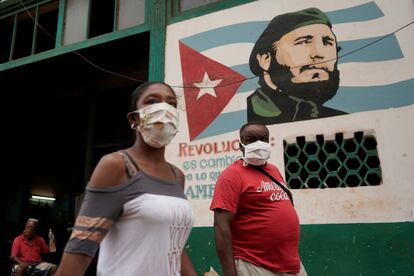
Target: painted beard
[318, 92]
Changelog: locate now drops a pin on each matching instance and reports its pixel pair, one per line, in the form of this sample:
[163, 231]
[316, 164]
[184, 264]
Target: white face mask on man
[256, 153]
[158, 124]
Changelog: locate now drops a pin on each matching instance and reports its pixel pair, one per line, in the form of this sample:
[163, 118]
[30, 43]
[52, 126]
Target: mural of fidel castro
[296, 61]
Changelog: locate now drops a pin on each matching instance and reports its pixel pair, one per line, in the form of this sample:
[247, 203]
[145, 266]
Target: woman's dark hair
[136, 95]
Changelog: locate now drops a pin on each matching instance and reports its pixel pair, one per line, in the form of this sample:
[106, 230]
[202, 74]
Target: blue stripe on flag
[248, 85]
[348, 99]
[243, 32]
[224, 123]
[386, 49]
[249, 32]
[242, 69]
[356, 99]
[364, 12]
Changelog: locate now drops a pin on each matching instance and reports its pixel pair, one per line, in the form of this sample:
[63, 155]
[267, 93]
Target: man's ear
[241, 147]
[264, 60]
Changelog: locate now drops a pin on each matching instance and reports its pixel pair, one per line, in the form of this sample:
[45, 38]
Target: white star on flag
[207, 86]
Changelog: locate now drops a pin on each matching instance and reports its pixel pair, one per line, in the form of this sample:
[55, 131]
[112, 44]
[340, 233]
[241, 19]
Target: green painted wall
[374, 249]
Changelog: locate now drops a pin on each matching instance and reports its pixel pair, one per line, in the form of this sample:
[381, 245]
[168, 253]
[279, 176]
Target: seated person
[27, 252]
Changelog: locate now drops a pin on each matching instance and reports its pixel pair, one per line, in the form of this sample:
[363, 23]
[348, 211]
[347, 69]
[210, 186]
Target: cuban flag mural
[371, 60]
[205, 105]
[305, 69]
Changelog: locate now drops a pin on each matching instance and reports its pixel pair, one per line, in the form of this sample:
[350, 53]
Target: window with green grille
[332, 163]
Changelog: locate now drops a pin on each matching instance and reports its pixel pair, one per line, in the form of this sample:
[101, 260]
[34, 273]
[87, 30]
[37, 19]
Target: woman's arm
[73, 265]
[109, 172]
[187, 268]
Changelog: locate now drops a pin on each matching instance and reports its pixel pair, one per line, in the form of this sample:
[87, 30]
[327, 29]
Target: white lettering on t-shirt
[179, 230]
[277, 194]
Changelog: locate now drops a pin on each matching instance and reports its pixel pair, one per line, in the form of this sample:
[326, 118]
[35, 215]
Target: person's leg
[18, 270]
[44, 269]
[302, 271]
[53, 270]
[248, 269]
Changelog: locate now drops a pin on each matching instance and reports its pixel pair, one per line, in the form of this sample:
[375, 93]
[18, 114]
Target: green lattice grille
[332, 163]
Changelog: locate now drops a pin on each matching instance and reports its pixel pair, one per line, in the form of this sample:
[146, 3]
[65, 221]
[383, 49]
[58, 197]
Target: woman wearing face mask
[256, 226]
[134, 208]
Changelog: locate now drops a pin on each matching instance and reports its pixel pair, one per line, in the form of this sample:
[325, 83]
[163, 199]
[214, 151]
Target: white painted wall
[393, 128]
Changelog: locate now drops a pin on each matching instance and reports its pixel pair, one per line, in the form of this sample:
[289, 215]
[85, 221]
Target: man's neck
[28, 237]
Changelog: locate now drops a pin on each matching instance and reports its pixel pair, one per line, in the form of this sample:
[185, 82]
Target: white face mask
[158, 124]
[256, 153]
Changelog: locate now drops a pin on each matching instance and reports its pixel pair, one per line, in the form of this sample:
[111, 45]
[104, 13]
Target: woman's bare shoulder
[110, 171]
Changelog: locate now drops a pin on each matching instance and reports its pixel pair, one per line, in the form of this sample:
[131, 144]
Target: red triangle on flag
[220, 84]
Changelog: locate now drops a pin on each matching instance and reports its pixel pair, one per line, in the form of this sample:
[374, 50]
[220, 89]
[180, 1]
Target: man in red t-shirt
[27, 250]
[256, 226]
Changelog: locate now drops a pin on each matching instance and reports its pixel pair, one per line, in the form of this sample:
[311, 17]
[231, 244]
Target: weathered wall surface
[345, 231]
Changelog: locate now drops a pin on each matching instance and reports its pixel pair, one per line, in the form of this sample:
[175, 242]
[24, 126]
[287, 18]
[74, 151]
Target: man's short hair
[249, 124]
[281, 25]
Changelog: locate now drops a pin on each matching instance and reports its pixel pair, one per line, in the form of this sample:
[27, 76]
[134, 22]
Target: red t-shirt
[29, 251]
[265, 229]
